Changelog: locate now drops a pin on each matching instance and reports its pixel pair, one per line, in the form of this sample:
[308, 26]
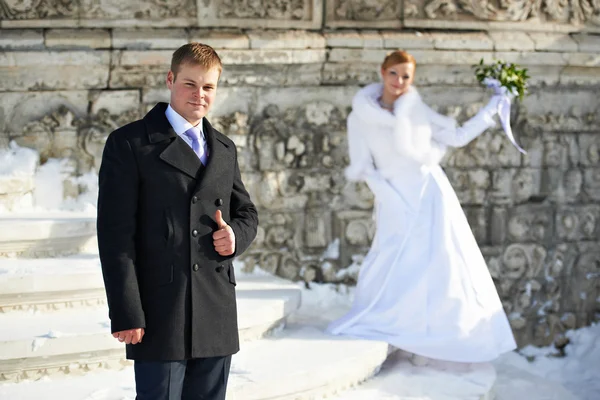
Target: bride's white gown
[424, 286]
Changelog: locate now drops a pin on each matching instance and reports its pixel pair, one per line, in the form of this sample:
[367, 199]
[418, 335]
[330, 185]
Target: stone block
[78, 39]
[556, 42]
[589, 146]
[21, 39]
[114, 101]
[580, 76]
[272, 75]
[267, 15]
[372, 39]
[591, 183]
[511, 41]
[462, 41]
[357, 55]
[449, 57]
[348, 39]
[151, 39]
[583, 59]
[532, 58]
[222, 39]
[267, 56]
[407, 40]
[350, 73]
[286, 40]
[471, 186]
[20, 71]
[587, 43]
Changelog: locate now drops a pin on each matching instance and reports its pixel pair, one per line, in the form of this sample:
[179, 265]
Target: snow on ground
[541, 379]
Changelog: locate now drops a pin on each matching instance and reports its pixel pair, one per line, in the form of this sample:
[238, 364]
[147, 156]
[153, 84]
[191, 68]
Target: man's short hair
[195, 53]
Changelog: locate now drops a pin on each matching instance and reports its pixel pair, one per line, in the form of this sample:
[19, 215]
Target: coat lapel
[219, 157]
[177, 153]
[181, 156]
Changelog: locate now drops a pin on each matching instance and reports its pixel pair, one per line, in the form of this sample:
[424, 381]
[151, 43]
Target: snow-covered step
[399, 379]
[300, 363]
[53, 284]
[37, 344]
[46, 234]
[50, 284]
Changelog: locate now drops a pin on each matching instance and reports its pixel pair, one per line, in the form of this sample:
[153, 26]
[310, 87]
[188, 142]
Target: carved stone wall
[72, 71]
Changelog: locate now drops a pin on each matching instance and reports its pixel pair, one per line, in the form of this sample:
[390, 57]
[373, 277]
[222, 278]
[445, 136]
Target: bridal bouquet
[507, 80]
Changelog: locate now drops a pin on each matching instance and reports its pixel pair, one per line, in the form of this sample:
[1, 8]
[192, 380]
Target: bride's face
[398, 78]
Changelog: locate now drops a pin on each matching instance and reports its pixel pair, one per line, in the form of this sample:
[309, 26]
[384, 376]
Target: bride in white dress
[424, 286]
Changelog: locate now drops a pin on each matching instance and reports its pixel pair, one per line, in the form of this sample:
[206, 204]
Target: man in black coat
[172, 214]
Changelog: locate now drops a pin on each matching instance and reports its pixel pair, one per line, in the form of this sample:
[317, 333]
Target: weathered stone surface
[372, 39]
[221, 39]
[553, 42]
[286, 40]
[141, 39]
[21, 39]
[511, 41]
[272, 75]
[407, 40]
[287, 14]
[580, 76]
[587, 43]
[471, 186]
[350, 73]
[346, 38]
[283, 99]
[358, 13]
[462, 41]
[77, 39]
[62, 70]
[259, 56]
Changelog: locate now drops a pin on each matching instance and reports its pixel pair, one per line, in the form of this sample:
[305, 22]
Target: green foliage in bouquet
[510, 76]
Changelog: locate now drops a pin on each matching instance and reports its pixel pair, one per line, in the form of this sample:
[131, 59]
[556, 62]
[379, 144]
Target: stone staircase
[55, 336]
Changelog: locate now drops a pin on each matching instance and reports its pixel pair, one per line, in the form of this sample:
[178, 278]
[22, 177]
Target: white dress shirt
[181, 125]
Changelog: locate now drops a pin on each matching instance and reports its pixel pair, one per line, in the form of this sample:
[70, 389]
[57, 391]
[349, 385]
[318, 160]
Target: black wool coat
[156, 218]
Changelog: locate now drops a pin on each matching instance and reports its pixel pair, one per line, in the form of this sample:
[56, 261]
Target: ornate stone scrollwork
[574, 11]
[37, 9]
[278, 10]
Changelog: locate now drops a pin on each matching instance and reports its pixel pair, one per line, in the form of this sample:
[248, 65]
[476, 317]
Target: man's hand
[130, 336]
[224, 238]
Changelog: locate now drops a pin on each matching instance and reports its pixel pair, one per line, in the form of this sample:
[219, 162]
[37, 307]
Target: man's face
[193, 91]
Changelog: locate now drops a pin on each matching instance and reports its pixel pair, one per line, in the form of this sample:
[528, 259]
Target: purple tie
[200, 151]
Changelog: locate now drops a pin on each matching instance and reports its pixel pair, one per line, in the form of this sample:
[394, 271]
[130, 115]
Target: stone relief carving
[367, 10]
[278, 10]
[144, 9]
[38, 9]
[294, 159]
[574, 11]
[79, 142]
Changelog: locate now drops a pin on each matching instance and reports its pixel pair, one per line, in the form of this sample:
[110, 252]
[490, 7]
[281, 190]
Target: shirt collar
[180, 124]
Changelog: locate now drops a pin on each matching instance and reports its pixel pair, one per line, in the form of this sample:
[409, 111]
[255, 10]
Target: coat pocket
[170, 230]
[157, 276]
[231, 275]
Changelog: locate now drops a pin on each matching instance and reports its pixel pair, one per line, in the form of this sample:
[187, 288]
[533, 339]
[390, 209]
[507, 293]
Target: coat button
[194, 199]
[220, 268]
[219, 202]
[194, 233]
[195, 267]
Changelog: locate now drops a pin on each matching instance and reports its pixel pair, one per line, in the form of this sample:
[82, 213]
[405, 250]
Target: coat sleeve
[445, 130]
[244, 217]
[361, 162]
[116, 226]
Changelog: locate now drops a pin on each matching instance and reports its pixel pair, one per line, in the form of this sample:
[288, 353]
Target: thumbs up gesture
[223, 237]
